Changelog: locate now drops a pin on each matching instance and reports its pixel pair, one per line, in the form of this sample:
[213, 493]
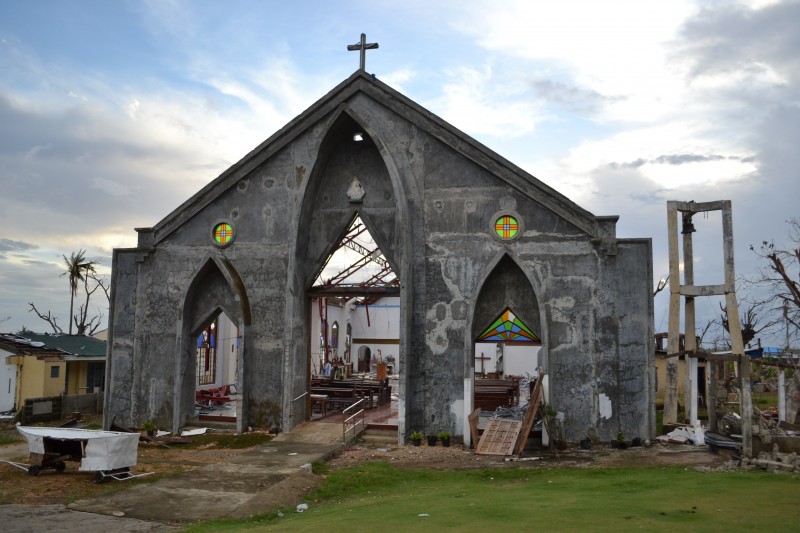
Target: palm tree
[77, 268]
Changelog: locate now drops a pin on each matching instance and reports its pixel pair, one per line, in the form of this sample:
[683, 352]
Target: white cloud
[476, 102]
[111, 187]
[619, 51]
[672, 156]
[396, 79]
[33, 152]
[133, 108]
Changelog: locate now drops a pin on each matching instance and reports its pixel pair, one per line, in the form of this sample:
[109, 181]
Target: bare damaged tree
[85, 325]
[79, 269]
[49, 318]
[751, 320]
[782, 276]
[701, 337]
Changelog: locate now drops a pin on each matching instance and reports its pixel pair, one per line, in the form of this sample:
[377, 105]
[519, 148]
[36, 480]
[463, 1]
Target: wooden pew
[513, 384]
[489, 399]
[338, 397]
[493, 393]
[373, 392]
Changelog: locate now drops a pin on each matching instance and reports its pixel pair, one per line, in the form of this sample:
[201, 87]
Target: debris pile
[773, 462]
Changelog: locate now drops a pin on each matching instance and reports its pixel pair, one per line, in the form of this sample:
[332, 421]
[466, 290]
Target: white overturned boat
[110, 454]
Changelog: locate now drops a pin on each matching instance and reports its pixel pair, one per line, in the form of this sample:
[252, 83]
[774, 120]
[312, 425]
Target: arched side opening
[506, 329]
[211, 343]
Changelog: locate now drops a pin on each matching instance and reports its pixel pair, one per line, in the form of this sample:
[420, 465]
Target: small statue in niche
[356, 192]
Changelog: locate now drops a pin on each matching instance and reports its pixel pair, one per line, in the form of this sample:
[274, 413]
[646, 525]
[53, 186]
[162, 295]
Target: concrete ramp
[254, 482]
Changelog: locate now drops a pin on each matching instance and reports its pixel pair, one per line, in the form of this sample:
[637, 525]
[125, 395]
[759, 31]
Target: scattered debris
[193, 432]
[302, 507]
[715, 441]
[676, 436]
[774, 461]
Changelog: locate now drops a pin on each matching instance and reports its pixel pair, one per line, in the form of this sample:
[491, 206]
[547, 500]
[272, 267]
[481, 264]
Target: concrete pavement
[254, 482]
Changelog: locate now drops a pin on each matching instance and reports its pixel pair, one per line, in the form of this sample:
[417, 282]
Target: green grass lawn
[379, 497]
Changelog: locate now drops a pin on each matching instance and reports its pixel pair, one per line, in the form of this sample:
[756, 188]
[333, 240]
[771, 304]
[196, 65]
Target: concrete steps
[379, 436]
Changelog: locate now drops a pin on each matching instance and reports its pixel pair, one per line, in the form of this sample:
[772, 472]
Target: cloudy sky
[112, 113]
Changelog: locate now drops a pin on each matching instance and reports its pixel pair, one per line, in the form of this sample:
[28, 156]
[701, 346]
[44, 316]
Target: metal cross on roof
[362, 46]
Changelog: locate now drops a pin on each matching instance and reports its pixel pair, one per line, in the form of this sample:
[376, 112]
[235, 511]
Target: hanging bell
[688, 227]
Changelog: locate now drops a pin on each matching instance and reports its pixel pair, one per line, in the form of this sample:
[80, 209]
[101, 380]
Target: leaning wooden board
[499, 437]
[530, 416]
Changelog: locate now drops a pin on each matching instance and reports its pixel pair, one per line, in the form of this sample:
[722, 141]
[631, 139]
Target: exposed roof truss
[356, 268]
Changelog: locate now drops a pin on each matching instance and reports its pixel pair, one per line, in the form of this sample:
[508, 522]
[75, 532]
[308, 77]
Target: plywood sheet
[530, 416]
[499, 437]
[473, 427]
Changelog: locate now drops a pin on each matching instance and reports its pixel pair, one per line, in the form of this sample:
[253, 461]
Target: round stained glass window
[506, 227]
[223, 234]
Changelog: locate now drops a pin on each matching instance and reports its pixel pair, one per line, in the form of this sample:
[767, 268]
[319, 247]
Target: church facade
[467, 233]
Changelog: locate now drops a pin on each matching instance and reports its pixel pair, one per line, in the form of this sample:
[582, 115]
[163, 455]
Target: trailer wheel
[99, 477]
[34, 470]
[60, 466]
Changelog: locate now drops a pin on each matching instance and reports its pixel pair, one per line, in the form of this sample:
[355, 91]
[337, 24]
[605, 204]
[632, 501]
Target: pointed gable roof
[361, 82]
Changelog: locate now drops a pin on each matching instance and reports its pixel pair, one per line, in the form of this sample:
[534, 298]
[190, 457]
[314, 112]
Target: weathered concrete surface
[432, 195]
[38, 518]
[254, 482]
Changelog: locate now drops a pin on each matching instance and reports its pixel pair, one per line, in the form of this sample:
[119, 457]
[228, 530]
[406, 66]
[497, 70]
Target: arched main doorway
[351, 186]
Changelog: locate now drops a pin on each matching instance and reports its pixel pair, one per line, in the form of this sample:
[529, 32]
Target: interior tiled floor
[385, 415]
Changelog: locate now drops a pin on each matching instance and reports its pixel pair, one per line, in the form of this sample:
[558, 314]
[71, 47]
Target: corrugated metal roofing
[61, 345]
[79, 345]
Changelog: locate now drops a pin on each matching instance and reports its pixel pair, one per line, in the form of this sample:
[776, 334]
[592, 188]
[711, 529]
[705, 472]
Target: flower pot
[416, 442]
[432, 440]
[446, 443]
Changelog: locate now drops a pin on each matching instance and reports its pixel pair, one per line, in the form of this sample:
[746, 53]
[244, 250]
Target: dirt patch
[50, 487]
[459, 458]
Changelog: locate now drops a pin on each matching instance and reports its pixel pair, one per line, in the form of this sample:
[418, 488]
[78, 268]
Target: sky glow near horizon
[112, 114]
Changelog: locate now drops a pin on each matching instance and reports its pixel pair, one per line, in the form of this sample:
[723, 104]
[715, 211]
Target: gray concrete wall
[431, 209]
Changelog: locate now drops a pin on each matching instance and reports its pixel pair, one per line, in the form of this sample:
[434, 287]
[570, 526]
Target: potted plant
[445, 438]
[150, 427]
[619, 442]
[416, 438]
[432, 440]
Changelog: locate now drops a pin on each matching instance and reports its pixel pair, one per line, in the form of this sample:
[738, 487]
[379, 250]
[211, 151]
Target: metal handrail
[359, 402]
[304, 394]
[293, 413]
[348, 420]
